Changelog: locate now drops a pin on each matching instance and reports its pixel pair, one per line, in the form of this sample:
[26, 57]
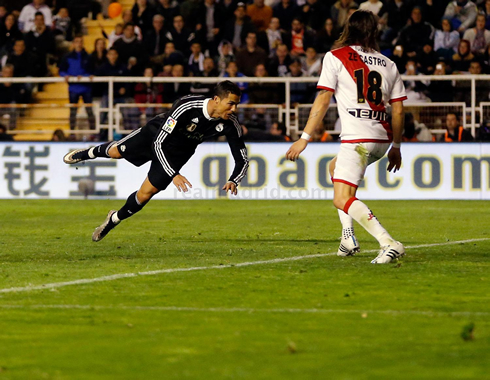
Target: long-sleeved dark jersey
[187, 124]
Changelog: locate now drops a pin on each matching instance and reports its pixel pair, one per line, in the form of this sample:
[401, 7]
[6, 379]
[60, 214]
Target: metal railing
[293, 117]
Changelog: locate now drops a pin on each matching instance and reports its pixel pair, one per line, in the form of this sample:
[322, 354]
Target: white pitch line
[248, 310]
[191, 269]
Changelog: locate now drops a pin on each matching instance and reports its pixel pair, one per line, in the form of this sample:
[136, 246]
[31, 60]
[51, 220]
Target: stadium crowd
[228, 38]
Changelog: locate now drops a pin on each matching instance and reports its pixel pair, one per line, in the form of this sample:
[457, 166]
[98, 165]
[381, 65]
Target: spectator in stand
[11, 93]
[116, 34]
[478, 36]
[210, 25]
[225, 51]
[340, 12]
[413, 37]
[209, 71]
[311, 63]
[486, 60]
[300, 38]
[285, 11]
[274, 37]
[99, 54]
[143, 15]
[78, 64]
[327, 37]
[167, 8]
[22, 59]
[415, 90]
[40, 41]
[195, 64]
[278, 131]
[174, 91]
[237, 28]
[189, 10]
[155, 39]
[250, 56]
[146, 92]
[3, 13]
[131, 51]
[446, 40]
[463, 88]
[122, 91]
[58, 136]
[427, 60]
[62, 25]
[264, 93]
[99, 58]
[320, 134]
[28, 14]
[462, 14]
[127, 17]
[181, 36]
[400, 58]
[279, 65]
[4, 136]
[301, 92]
[441, 90]
[393, 16]
[313, 13]
[485, 9]
[171, 56]
[260, 14]
[461, 60]
[232, 72]
[455, 132]
[9, 32]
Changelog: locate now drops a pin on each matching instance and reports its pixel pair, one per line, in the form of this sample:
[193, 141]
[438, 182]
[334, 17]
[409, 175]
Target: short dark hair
[38, 14]
[225, 88]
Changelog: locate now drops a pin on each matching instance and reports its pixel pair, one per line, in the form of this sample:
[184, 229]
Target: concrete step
[48, 113]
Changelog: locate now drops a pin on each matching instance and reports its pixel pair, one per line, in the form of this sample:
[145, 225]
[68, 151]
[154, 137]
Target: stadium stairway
[53, 95]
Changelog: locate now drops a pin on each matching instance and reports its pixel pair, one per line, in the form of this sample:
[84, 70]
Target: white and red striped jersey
[363, 82]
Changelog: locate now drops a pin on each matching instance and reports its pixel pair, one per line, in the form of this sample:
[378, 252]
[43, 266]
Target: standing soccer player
[362, 80]
[169, 140]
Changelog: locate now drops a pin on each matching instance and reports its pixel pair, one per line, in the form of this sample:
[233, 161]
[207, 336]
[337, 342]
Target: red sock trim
[348, 203]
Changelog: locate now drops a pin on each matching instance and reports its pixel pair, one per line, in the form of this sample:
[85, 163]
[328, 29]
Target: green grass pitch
[324, 317]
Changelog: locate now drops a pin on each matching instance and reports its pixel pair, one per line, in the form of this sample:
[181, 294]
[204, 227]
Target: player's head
[226, 98]
[360, 29]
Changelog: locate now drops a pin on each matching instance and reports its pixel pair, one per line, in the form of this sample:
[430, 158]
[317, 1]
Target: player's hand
[181, 183]
[395, 159]
[295, 150]
[230, 186]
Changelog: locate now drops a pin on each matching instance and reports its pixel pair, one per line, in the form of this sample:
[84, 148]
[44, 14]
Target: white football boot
[389, 252]
[349, 246]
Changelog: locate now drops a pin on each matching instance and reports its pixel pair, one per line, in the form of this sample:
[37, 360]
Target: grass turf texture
[326, 317]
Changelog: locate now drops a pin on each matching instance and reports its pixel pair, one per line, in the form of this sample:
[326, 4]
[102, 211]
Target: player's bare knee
[114, 152]
[339, 202]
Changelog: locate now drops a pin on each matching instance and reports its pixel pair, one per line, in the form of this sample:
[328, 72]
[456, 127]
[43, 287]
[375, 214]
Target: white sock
[347, 224]
[364, 216]
[115, 218]
[91, 152]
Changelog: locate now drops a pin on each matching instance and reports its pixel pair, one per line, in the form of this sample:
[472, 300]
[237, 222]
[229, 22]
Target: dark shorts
[139, 147]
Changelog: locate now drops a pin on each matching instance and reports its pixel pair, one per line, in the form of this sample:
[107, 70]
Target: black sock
[131, 207]
[103, 150]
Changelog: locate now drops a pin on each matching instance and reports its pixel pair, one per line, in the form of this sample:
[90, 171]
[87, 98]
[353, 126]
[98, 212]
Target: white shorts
[354, 158]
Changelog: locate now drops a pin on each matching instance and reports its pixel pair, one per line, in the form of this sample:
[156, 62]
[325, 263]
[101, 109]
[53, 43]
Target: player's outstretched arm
[397, 121]
[317, 113]
[181, 183]
[231, 186]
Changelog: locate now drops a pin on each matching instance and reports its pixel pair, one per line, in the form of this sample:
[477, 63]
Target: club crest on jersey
[219, 127]
[169, 125]
[191, 127]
